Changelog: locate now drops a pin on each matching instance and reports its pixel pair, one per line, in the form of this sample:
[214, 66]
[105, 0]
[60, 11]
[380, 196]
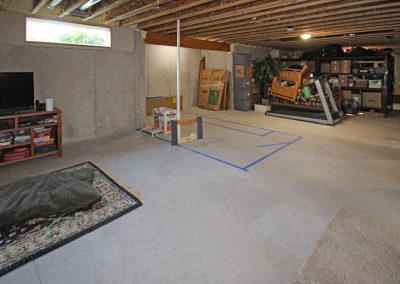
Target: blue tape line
[272, 153]
[255, 127]
[274, 144]
[214, 158]
[248, 132]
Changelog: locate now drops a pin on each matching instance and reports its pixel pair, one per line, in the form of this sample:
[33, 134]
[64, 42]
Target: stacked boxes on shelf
[43, 140]
[345, 66]
[335, 66]
[16, 154]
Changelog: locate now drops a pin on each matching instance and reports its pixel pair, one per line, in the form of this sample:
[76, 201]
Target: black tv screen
[16, 91]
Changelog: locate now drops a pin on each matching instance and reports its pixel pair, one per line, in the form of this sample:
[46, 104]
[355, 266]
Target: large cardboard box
[372, 100]
[345, 66]
[335, 66]
[156, 102]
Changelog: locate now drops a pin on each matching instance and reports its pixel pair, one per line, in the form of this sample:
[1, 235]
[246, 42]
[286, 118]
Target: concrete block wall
[101, 91]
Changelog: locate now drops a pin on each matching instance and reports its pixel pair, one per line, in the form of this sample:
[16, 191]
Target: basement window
[47, 31]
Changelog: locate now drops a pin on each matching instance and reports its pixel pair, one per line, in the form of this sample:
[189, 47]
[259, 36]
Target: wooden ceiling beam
[211, 7]
[67, 6]
[269, 8]
[38, 5]
[300, 10]
[293, 21]
[361, 28]
[170, 40]
[175, 6]
[320, 23]
[132, 8]
[103, 7]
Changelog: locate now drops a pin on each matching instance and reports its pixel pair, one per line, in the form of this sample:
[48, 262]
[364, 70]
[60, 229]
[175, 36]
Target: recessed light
[305, 36]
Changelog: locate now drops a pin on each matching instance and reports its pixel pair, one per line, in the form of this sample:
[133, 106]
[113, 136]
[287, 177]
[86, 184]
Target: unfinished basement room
[201, 141]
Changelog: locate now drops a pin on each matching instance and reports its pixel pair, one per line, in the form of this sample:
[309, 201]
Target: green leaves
[264, 71]
[79, 37]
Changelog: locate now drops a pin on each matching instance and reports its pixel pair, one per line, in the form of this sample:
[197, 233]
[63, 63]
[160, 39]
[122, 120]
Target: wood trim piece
[38, 5]
[170, 40]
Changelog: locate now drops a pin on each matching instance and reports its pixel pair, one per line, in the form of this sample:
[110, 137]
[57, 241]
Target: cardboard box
[325, 67]
[371, 100]
[156, 102]
[345, 66]
[343, 80]
[261, 108]
[162, 118]
[346, 94]
[335, 66]
[361, 83]
[396, 89]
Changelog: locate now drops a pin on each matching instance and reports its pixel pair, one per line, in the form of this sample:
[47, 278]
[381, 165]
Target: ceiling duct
[89, 4]
[53, 4]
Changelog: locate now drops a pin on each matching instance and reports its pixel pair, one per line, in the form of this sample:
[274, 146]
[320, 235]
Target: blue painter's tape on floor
[247, 167]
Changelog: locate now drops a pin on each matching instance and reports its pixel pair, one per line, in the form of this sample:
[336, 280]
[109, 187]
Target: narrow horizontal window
[39, 30]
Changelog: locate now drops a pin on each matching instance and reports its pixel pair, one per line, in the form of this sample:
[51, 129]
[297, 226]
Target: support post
[178, 75]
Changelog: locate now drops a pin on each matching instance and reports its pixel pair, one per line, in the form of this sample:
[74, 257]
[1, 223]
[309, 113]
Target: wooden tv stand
[17, 123]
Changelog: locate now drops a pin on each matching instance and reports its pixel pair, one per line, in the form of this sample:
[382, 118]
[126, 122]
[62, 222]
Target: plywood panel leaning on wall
[213, 89]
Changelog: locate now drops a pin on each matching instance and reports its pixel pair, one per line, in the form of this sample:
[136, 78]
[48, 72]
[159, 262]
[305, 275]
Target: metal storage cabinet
[241, 81]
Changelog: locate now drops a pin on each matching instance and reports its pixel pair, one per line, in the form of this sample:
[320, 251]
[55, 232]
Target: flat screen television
[16, 91]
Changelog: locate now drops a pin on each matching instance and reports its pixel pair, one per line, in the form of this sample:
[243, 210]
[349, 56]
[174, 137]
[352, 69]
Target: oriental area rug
[21, 244]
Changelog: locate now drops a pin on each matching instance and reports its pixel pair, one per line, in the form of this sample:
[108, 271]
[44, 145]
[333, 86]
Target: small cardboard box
[343, 80]
[261, 108]
[372, 100]
[162, 118]
[325, 67]
[361, 83]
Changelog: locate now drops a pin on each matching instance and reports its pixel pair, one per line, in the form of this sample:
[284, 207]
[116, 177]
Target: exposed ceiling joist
[298, 17]
[4, 4]
[38, 5]
[312, 25]
[249, 13]
[174, 7]
[68, 6]
[103, 7]
[211, 7]
[132, 8]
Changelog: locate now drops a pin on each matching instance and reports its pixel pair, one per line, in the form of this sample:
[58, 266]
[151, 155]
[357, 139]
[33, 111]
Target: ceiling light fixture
[290, 29]
[305, 36]
[254, 18]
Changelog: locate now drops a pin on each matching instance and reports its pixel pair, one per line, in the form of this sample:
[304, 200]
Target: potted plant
[264, 71]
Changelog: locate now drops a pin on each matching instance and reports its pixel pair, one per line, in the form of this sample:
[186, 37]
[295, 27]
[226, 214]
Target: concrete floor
[206, 222]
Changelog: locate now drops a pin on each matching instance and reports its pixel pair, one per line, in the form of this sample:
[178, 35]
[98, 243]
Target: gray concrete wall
[101, 91]
[161, 72]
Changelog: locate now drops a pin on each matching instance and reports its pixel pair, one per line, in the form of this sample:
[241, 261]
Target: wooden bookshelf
[16, 121]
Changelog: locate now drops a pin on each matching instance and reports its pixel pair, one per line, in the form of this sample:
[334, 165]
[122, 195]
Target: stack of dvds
[43, 140]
